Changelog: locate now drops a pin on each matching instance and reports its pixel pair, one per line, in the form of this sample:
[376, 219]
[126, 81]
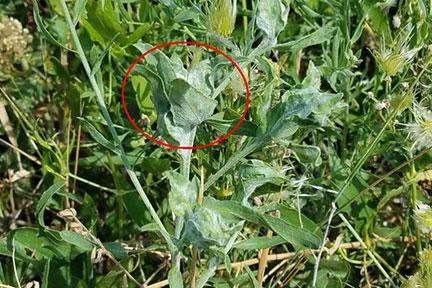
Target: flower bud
[394, 58]
[222, 17]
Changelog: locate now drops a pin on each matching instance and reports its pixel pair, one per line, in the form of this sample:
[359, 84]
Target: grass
[325, 184]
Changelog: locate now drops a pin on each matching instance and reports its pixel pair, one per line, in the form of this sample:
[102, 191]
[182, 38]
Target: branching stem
[105, 113]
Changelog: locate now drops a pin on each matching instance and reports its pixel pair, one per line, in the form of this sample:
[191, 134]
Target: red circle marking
[224, 137]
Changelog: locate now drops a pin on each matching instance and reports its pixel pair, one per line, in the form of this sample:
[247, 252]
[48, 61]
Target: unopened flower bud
[222, 17]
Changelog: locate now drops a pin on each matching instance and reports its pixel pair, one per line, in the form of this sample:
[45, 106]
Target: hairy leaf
[272, 17]
[175, 279]
[206, 227]
[189, 106]
[291, 233]
[254, 175]
[183, 194]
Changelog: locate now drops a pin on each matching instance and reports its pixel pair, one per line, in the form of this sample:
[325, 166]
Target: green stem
[251, 147]
[413, 207]
[104, 110]
[186, 154]
[369, 252]
[245, 19]
[366, 154]
[378, 137]
[185, 165]
[261, 49]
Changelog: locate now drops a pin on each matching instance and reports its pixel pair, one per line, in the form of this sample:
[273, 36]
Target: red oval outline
[224, 137]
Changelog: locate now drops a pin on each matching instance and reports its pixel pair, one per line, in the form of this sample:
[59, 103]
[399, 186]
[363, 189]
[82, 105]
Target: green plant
[325, 184]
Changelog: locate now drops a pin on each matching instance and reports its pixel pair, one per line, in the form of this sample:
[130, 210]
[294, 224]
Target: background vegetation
[326, 184]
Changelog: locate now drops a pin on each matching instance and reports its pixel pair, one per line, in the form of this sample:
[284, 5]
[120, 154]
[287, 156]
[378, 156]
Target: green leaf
[388, 196]
[179, 96]
[135, 207]
[46, 274]
[300, 103]
[183, 194]
[291, 233]
[136, 35]
[252, 277]
[280, 124]
[260, 243]
[291, 216]
[332, 272]
[78, 10]
[247, 128]
[254, 175]
[183, 136]
[402, 101]
[20, 253]
[378, 18]
[198, 77]
[155, 165]
[96, 135]
[159, 83]
[102, 24]
[189, 106]
[143, 94]
[42, 244]
[77, 240]
[319, 36]
[307, 154]
[187, 14]
[116, 249]
[96, 66]
[208, 273]
[272, 16]
[206, 227]
[175, 279]
[44, 199]
[150, 227]
[41, 27]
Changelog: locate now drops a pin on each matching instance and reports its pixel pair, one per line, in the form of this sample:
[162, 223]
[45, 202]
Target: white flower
[396, 21]
[421, 130]
[423, 216]
[13, 41]
[382, 105]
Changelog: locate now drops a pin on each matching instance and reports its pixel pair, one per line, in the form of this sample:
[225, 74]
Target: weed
[324, 184]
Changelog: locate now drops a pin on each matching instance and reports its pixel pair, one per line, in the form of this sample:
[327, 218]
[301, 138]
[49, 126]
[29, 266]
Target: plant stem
[235, 159]
[186, 154]
[413, 207]
[263, 47]
[371, 255]
[366, 154]
[104, 110]
[195, 251]
[185, 163]
[245, 19]
[321, 250]
[391, 172]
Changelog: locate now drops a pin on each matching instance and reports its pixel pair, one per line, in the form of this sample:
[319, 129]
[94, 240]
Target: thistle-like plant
[398, 54]
[423, 278]
[222, 17]
[420, 131]
[423, 216]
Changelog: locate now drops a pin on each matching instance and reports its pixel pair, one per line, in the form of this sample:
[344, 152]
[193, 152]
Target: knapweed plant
[326, 183]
